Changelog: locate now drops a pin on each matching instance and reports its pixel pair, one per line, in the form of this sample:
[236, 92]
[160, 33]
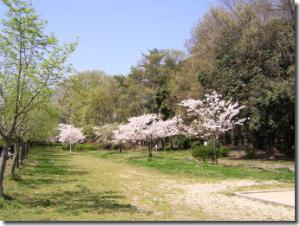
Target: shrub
[196, 143]
[182, 142]
[205, 153]
[107, 146]
[66, 146]
[2, 202]
[224, 151]
[250, 154]
[115, 146]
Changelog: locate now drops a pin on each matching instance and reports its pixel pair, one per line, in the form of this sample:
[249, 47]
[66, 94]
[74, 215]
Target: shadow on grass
[40, 181]
[83, 200]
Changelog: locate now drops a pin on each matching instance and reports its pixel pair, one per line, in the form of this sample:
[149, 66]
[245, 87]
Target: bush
[224, 151]
[205, 153]
[114, 146]
[196, 143]
[107, 146]
[182, 142]
[2, 202]
[250, 154]
[66, 146]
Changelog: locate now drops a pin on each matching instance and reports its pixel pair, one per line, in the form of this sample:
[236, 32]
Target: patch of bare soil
[212, 198]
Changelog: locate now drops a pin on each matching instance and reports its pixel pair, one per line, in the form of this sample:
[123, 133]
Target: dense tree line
[243, 49]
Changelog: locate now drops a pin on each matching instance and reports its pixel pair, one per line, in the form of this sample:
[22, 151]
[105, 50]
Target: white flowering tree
[137, 129]
[69, 134]
[148, 128]
[212, 116]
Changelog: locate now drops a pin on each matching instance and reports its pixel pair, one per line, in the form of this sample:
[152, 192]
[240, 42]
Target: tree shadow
[83, 200]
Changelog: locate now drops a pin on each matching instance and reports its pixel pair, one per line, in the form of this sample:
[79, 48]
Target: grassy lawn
[55, 185]
[51, 187]
[182, 163]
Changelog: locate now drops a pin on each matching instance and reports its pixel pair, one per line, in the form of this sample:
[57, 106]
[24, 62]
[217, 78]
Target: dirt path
[159, 196]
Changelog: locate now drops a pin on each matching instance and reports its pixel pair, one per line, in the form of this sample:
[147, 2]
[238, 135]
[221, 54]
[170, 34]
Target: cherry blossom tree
[212, 116]
[69, 134]
[137, 129]
[148, 128]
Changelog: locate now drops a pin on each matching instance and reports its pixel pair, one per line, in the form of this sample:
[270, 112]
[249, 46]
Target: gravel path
[215, 200]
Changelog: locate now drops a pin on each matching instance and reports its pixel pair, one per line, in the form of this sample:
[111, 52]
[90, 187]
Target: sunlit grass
[182, 162]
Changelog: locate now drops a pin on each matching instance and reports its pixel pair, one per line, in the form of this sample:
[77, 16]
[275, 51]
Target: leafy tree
[31, 62]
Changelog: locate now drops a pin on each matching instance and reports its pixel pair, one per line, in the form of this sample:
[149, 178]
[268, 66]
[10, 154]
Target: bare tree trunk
[18, 157]
[215, 151]
[15, 159]
[120, 147]
[240, 135]
[3, 161]
[270, 146]
[25, 149]
[22, 152]
[163, 143]
[150, 150]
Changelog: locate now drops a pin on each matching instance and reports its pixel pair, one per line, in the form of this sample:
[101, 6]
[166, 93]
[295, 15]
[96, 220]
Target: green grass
[182, 163]
[49, 187]
[55, 185]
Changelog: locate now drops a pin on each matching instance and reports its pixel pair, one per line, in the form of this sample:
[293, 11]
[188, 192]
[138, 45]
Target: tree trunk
[150, 150]
[120, 147]
[25, 149]
[22, 152]
[240, 135]
[15, 159]
[236, 138]
[70, 147]
[215, 151]
[270, 146]
[163, 143]
[3, 161]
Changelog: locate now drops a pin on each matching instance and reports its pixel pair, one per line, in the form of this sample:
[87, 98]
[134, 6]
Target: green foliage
[89, 132]
[255, 67]
[107, 146]
[2, 202]
[182, 142]
[66, 146]
[224, 151]
[196, 144]
[161, 103]
[34, 63]
[250, 154]
[205, 153]
[115, 146]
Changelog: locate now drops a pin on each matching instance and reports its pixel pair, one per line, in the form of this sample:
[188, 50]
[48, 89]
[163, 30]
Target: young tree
[69, 134]
[213, 115]
[31, 63]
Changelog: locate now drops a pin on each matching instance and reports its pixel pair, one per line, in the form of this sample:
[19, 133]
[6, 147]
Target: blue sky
[113, 33]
